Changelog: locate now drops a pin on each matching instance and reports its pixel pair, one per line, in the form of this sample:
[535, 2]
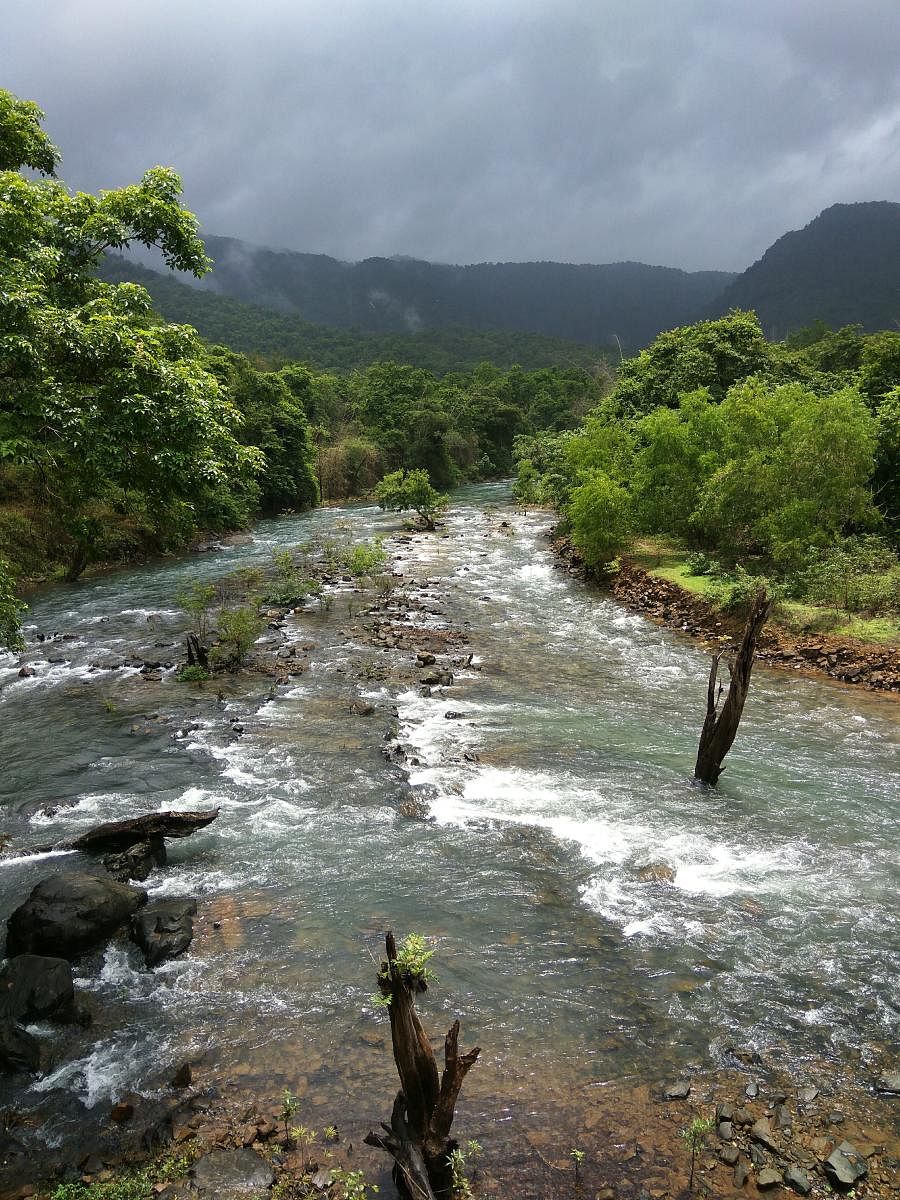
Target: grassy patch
[668, 561]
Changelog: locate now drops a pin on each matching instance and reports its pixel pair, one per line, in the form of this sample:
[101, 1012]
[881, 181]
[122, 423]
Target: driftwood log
[418, 1136]
[119, 835]
[721, 726]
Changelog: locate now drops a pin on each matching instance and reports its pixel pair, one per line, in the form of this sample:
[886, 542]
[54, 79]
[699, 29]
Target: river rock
[137, 861]
[70, 913]
[19, 1051]
[768, 1178]
[35, 988]
[761, 1131]
[164, 929]
[844, 1166]
[806, 1095]
[729, 1155]
[797, 1180]
[741, 1174]
[888, 1084]
[229, 1174]
[725, 1131]
[656, 873]
[678, 1091]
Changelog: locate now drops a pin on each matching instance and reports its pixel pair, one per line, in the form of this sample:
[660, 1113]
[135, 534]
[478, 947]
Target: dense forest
[281, 336]
[765, 460]
[584, 303]
[842, 269]
[123, 434]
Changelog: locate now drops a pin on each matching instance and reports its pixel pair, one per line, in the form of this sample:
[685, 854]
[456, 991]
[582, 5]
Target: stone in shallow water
[678, 1091]
[70, 913]
[164, 929]
[19, 1051]
[889, 1083]
[232, 1175]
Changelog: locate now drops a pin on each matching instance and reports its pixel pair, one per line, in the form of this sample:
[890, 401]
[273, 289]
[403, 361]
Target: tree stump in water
[720, 727]
[418, 1137]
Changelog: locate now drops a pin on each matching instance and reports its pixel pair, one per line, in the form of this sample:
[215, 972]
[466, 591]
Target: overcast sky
[689, 133]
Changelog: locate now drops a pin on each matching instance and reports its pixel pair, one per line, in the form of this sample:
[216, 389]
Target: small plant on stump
[694, 1134]
[457, 1162]
[577, 1157]
[289, 1106]
[418, 1136]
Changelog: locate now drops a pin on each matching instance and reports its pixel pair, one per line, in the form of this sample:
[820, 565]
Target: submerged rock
[34, 987]
[164, 929]
[656, 872]
[70, 913]
[228, 1174]
[19, 1051]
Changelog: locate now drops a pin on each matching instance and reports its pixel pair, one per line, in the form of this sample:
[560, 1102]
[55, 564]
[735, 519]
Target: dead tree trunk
[197, 654]
[418, 1137]
[720, 727]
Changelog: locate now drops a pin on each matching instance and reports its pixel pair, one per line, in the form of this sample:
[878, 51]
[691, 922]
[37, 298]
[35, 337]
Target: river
[568, 771]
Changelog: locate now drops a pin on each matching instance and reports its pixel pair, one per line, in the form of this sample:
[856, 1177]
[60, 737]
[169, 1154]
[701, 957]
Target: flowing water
[567, 772]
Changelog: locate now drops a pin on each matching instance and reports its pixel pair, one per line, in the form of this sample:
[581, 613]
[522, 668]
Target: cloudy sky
[689, 133]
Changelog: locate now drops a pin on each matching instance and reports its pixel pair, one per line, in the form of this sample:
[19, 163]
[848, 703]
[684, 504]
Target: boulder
[845, 1166]
[678, 1091]
[19, 1051]
[888, 1084]
[35, 988]
[70, 913]
[164, 929]
[229, 1174]
[137, 861]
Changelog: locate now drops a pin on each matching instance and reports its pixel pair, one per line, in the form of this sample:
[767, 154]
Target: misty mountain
[588, 304]
[254, 329]
[843, 268]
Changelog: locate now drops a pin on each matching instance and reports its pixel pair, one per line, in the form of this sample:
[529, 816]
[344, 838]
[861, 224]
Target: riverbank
[639, 588]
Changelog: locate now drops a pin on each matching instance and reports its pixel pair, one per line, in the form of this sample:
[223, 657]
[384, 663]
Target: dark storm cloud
[684, 132]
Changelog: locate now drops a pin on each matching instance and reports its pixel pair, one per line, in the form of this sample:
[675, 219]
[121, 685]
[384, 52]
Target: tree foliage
[403, 491]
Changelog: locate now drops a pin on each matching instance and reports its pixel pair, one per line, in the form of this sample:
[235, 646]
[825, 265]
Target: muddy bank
[874, 667]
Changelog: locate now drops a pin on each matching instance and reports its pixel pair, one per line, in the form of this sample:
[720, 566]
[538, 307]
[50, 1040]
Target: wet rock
[768, 1178]
[137, 861]
[798, 1180]
[26, 672]
[19, 1051]
[362, 708]
[228, 1174]
[888, 1084]
[656, 873]
[751, 1091]
[34, 987]
[678, 1091]
[164, 929]
[806, 1095]
[122, 1112]
[69, 913]
[425, 660]
[455, 716]
[835, 1118]
[844, 1166]
[183, 1077]
[761, 1132]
